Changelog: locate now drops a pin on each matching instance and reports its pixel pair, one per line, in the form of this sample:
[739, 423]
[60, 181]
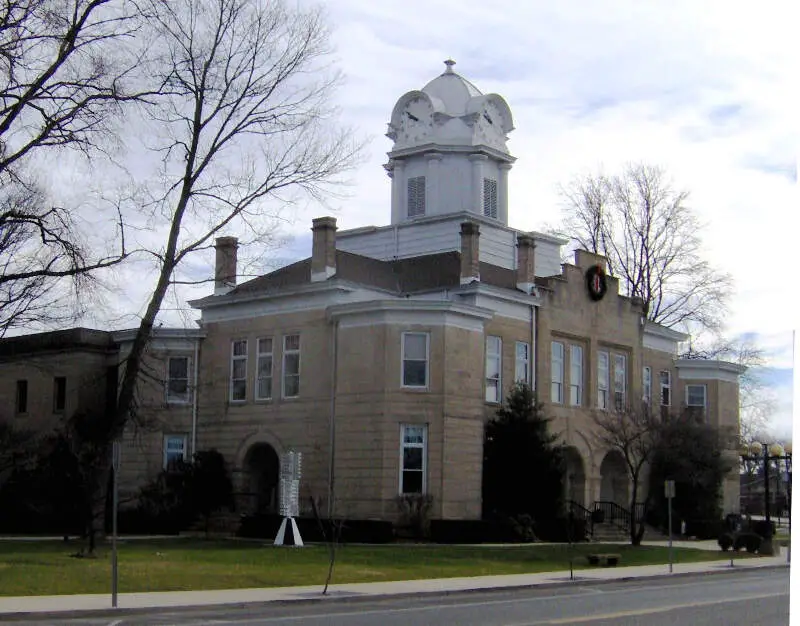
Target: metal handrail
[582, 511]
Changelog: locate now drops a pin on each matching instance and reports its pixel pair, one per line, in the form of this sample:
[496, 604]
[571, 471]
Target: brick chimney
[470, 250]
[225, 267]
[323, 249]
[525, 263]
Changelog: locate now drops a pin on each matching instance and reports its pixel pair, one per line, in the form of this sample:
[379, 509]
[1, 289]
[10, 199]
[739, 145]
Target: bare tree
[64, 69]
[652, 241]
[635, 436]
[244, 116]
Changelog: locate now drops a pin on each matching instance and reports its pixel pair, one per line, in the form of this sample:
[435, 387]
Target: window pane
[414, 373]
[178, 389]
[291, 364]
[696, 395]
[412, 482]
[239, 390]
[415, 346]
[414, 434]
[240, 347]
[493, 345]
[291, 386]
[412, 458]
[521, 372]
[178, 367]
[239, 368]
[575, 395]
[264, 366]
[265, 345]
[664, 376]
[555, 392]
[493, 367]
[265, 387]
[522, 350]
[492, 391]
[291, 342]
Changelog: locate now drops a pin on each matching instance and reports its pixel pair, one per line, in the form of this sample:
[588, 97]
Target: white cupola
[449, 153]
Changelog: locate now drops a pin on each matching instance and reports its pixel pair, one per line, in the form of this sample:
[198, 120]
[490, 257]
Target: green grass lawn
[47, 567]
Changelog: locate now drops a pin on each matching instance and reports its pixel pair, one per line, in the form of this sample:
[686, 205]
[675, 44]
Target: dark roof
[70, 339]
[416, 274]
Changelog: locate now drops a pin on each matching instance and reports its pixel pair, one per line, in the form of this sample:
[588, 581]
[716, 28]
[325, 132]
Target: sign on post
[669, 493]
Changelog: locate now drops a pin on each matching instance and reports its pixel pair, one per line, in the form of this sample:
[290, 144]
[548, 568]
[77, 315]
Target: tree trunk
[636, 535]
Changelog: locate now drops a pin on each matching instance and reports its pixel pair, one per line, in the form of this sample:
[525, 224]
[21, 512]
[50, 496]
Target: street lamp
[766, 453]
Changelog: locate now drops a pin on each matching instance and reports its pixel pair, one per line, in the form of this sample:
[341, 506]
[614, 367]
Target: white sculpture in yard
[291, 467]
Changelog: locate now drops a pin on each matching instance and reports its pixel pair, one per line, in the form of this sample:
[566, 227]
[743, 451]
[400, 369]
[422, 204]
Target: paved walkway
[102, 602]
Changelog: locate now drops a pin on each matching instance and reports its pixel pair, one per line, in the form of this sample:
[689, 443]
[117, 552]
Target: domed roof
[453, 90]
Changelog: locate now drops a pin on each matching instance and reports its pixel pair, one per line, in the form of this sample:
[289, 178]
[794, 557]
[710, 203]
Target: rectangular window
[619, 382]
[413, 455]
[291, 366]
[557, 372]
[239, 370]
[22, 396]
[416, 196]
[602, 380]
[522, 363]
[575, 375]
[665, 388]
[174, 450]
[59, 394]
[178, 379]
[490, 197]
[494, 366]
[264, 369]
[647, 385]
[696, 396]
[415, 360]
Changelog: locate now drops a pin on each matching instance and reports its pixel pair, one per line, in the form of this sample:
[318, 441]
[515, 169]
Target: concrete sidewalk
[101, 603]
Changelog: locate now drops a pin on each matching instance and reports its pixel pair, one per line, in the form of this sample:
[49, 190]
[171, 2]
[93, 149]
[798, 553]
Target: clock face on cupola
[416, 121]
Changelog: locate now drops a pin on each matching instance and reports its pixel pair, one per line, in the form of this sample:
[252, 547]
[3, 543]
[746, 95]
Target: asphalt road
[751, 598]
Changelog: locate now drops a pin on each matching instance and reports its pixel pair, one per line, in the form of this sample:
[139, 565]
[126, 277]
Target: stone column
[432, 190]
[502, 192]
[477, 181]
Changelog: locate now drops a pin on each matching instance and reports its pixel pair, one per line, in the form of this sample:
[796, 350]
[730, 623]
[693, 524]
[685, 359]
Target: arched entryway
[614, 479]
[261, 472]
[575, 476]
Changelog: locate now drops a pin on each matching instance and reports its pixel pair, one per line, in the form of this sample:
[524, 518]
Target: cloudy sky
[705, 89]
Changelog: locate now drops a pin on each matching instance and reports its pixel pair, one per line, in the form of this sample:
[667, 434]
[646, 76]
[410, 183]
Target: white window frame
[703, 406]
[620, 382]
[264, 355]
[575, 375]
[167, 391]
[490, 197]
[415, 196]
[235, 358]
[665, 386]
[602, 380]
[556, 372]
[284, 371]
[424, 447]
[165, 448]
[647, 386]
[522, 363]
[493, 391]
[403, 336]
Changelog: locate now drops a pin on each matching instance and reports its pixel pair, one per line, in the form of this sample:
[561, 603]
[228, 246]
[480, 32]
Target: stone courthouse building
[381, 356]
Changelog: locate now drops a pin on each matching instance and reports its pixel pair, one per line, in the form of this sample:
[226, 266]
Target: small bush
[725, 541]
[749, 541]
[763, 529]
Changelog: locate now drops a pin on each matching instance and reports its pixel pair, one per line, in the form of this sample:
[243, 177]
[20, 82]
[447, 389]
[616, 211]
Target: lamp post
[766, 453]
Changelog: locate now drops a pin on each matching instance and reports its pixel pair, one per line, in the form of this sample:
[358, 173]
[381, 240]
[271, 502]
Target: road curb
[355, 598]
